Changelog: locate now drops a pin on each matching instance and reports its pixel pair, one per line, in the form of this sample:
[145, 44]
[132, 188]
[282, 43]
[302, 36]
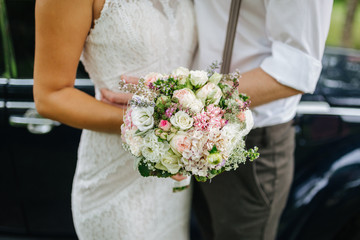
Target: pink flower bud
[158, 132]
[241, 103]
[165, 125]
[163, 135]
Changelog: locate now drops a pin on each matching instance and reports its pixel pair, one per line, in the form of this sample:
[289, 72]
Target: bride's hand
[118, 99]
[178, 177]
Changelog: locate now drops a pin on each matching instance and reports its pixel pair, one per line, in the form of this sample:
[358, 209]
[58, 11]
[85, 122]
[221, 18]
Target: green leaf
[244, 97]
[213, 150]
[222, 103]
[200, 179]
[144, 170]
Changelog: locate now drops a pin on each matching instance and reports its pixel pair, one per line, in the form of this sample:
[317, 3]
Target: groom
[278, 48]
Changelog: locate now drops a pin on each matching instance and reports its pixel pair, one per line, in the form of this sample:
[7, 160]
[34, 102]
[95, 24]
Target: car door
[11, 213]
[38, 155]
[324, 202]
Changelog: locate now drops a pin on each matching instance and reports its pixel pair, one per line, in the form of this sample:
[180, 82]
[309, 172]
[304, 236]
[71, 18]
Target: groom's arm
[298, 33]
[263, 88]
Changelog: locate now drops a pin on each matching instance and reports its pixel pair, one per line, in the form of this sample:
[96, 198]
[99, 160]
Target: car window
[22, 30]
[20, 15]
[7, 61]
[2, 65]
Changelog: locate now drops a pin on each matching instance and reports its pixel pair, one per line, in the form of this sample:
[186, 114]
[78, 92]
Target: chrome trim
[29, 82]
[20, 105]
[17, 120]
[3, 81]
[19, 82]
[84, 82]
[345, 101]
[2, 104]
[342, 51]
[323, 108]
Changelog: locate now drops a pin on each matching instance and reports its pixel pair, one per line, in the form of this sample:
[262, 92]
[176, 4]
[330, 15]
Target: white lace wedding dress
[110, 200]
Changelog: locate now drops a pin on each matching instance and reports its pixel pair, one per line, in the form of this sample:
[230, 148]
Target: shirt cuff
[292, 67]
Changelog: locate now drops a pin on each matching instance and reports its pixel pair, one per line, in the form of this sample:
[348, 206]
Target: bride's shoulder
[98, 6]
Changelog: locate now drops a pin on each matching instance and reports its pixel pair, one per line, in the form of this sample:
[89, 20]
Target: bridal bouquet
[187, 122]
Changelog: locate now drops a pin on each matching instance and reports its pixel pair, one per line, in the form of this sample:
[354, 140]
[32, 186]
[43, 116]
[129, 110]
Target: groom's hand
[118, 99]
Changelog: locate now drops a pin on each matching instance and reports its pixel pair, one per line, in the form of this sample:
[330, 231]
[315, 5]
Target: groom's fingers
[116, 98]
[129, 79]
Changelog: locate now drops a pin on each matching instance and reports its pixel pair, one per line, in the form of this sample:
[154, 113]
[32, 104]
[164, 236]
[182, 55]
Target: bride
[113, 38]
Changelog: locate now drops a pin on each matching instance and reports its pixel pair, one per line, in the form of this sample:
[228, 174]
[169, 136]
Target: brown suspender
[230, 35]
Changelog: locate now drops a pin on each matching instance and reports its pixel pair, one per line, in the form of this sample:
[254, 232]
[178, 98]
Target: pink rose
[180, 143]
[241, 116]
[152, 77]
[165, 125]
[188, 99]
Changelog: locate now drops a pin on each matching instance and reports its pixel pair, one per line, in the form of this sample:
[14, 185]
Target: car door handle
[18, 121]
[33, 122]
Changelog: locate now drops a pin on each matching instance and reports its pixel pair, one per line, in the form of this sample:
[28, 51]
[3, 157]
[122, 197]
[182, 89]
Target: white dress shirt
[286, 38]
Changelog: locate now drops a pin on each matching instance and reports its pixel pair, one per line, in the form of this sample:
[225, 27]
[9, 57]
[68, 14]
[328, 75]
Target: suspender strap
[230, 35]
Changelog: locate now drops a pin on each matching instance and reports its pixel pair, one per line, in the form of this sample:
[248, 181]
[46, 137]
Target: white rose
[143, 118]
[196, 106]
[182, 120]
[181, 71]
[181, 80]
[215, 78]
[198, 78]
[209, 92]
[188, 99]
[169, 162]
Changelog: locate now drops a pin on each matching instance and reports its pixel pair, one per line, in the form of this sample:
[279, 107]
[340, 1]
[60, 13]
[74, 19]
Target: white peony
[209, 94]
[153, 150]
[142, 118]
[198, 78]
[182, 120]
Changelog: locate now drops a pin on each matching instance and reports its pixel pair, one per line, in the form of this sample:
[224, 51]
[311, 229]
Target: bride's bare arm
[61, 30]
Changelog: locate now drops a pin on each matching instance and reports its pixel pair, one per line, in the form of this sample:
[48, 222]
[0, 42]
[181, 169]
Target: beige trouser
[246, 204]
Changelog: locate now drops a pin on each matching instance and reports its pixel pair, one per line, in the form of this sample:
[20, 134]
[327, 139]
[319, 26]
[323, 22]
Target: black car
[38, 156]
[325, 196]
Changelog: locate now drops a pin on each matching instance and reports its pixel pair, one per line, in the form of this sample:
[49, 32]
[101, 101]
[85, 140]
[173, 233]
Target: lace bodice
[109, 198]
[135, 37]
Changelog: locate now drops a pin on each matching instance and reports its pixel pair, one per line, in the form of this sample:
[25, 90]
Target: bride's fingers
[123, 106]
[116, 98]
[178, 177]
[129, 79]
